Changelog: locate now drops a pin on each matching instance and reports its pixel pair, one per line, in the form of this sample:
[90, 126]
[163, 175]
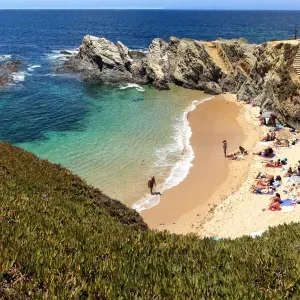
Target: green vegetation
[61, 239]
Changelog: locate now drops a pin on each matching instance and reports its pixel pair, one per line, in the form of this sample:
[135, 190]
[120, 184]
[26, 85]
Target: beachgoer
[225, 148]
[262, 119]
[289, 172]
[268, 152]
[267, 138]
[151, 184]
[273, 136]
[243, 150]
[272, 120]
[275, 203]
[277, 164]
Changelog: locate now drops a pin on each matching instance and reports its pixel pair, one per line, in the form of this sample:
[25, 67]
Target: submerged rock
[65, 52]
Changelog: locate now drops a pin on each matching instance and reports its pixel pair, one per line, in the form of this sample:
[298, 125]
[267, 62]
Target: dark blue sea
[114, 137]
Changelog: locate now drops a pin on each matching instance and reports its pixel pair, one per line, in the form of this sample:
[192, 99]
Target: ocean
[113, 136]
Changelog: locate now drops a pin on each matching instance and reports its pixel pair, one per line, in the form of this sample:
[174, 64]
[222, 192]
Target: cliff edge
[266, 74]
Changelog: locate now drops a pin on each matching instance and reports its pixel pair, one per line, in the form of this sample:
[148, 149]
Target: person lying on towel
[268, 152]
[276, 164]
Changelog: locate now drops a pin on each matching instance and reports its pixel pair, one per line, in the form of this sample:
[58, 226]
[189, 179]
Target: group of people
[265, 184]
[269, 137]
[271, 120]
[293, 172]
[242, 151]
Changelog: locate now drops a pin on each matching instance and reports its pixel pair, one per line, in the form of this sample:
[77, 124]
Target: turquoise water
[124, 137]
[114, 138]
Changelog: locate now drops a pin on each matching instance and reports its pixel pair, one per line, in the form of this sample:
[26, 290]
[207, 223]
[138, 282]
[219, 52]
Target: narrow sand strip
[184, 208]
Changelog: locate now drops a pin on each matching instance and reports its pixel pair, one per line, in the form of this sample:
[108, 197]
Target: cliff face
[264, 73]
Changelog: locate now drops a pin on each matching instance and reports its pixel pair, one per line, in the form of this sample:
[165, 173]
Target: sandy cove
[186, 207]
[220, 188]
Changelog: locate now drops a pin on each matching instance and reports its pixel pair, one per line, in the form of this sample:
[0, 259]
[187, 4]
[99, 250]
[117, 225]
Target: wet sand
[212, 178]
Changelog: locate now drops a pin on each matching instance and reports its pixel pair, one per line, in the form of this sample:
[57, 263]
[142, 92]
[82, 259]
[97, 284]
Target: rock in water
[7, 70]
[65, 52]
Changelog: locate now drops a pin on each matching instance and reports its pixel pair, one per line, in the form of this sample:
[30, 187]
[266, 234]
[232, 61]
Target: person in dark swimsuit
[225, 148]
[151, 184]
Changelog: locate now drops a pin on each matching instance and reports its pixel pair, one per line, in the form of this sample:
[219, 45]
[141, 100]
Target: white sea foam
[19, 76]
[57, 55]
[180, 170]
[132, 85]
[5, 57]
[31, 68]
[143, 50]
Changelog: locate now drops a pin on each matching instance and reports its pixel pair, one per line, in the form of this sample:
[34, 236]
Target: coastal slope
[61, 238]
[265, 74]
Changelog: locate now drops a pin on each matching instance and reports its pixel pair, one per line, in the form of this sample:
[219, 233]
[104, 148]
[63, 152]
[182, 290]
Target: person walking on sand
[151, 184]
[225, 148]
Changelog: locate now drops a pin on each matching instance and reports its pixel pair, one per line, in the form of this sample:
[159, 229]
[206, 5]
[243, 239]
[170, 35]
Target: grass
[61, 239]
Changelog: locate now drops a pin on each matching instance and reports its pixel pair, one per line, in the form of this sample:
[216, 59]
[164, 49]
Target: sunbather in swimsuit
[289, 172]
[277, 164]
[275, 203]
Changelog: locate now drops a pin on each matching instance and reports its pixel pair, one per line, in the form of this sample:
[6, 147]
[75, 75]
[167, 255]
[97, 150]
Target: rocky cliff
[264, 73]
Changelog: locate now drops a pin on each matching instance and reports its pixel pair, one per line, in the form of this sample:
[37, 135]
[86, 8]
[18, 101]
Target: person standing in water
[225, 148]
[151, 184]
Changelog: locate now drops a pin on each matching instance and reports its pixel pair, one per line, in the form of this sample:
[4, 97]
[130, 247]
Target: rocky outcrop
[263, 73]
[6, 71]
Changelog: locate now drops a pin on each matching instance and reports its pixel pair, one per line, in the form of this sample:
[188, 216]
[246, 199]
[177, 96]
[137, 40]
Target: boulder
[65, 52]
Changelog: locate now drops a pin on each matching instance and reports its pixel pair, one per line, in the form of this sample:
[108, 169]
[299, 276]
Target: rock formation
[6, 71]
[264, 73]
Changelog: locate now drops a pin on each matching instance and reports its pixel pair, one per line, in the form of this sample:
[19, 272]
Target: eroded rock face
[261, 72]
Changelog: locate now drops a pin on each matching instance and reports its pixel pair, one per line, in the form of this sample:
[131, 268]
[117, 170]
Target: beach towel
[287, 202]
[259, 192]
[257, 233]
[293, 179]
[287, 206]
[265, 143]
[274, 167]
[269, 156]
[286, 209]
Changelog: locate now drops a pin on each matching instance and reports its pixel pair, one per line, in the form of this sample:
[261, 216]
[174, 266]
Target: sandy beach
[186, 207]
[215, 199]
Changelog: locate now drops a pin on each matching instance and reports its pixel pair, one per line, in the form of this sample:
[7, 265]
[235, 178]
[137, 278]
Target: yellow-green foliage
[60, 238]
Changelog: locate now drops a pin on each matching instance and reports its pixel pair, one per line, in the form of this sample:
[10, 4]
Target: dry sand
[185, 208]
[244, 213]
[215, 199]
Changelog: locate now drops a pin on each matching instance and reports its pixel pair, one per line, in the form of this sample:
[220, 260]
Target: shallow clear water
[124, 137]
[114, 138]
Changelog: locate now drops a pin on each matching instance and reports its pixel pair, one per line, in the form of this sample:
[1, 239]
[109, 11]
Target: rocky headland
[6, 71]
[266, 73]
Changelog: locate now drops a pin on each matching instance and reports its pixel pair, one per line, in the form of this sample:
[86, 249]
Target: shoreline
[181, 168]
[188, 215]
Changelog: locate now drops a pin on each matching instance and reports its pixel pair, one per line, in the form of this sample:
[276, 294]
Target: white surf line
[181, 169]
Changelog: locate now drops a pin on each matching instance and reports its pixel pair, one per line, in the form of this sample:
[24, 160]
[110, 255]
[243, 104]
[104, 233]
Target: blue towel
[287, 202]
